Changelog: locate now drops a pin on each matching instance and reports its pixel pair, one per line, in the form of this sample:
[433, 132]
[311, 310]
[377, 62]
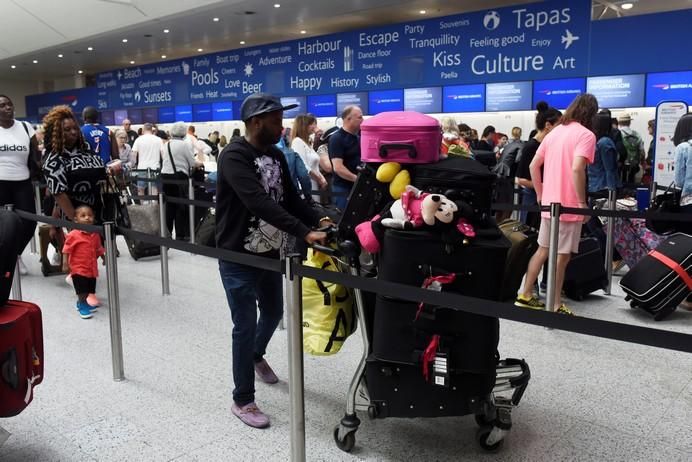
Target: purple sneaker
[265, 373]
[250, 415]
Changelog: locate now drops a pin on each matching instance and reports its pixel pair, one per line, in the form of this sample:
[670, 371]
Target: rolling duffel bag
[459, 178]
[21, 355]
[407, 137]
[662, 279]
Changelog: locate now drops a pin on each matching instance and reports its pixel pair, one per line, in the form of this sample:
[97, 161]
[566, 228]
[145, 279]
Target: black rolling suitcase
[663, 278]
[143, 218]
[409, 257]
[367, 198]
[459, 179]
[585, 272]
[524, 241]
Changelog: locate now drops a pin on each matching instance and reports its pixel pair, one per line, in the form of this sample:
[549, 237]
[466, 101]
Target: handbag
[668, 202]
[113, 203]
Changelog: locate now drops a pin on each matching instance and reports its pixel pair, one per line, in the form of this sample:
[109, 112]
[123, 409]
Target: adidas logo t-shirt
[14, 152]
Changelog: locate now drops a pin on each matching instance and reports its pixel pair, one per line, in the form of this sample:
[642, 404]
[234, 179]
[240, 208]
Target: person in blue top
[96, 135]
[603, 173]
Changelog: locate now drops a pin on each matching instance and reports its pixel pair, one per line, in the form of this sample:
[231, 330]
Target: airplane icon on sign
[568, 38]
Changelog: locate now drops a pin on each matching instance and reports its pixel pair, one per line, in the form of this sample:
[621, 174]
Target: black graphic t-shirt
[257, 205]
[76, 173]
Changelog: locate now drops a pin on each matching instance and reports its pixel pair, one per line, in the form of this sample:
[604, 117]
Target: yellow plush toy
[398, 179]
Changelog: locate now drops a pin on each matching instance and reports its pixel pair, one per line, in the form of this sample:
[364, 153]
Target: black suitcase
[654, 285]
[401, 335]
[585, 272]
[524, 241]
[409, 257]
[10, 227]
[143, 218]
[367, 198]
[400, 390]
[459, 179]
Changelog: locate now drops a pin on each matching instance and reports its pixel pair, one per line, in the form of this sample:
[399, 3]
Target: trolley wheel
[373, 412]
[483, 434]
[347, 443]
[483, 420]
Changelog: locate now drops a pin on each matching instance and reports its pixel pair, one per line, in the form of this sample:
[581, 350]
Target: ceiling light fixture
[242, 42]
[200, 50]
[215, 19]
[423, 12]
[163, 56]
[80, 72]
[277, 5]
[627, 6]
[124, 40]
[132, 62]
[60, 55]
[35, 61]
[303, 32]
[165, 31]
[90, 48]
[13, 66]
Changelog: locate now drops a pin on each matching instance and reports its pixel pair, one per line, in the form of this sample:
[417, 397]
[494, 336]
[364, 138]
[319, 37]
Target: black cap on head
[261, 103]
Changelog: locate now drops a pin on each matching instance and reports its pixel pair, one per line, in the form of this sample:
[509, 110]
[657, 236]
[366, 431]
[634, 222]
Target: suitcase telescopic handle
[407, 145]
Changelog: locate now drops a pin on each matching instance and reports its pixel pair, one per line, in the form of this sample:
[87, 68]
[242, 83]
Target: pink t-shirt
[558, 151]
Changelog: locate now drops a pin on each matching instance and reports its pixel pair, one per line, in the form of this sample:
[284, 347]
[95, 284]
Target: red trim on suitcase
[675, 266]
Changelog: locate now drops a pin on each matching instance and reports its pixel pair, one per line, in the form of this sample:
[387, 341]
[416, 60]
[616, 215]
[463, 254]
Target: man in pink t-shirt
[564, 155]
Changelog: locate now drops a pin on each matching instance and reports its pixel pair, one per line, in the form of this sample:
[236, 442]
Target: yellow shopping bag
[328, 315]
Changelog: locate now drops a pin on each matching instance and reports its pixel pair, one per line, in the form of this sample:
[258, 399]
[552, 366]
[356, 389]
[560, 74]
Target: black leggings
[21, 195]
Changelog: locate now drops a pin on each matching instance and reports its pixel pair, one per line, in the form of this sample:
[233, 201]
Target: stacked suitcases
[429, 361]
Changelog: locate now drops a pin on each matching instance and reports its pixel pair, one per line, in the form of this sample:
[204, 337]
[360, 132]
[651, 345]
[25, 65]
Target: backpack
[632, 142]
[507, 166]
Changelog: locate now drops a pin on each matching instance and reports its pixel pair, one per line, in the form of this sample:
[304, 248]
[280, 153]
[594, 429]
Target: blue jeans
[341, 200]
[248, 288]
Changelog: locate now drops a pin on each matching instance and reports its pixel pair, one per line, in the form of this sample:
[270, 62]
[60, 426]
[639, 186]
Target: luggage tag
[440, 370]
[435, 284]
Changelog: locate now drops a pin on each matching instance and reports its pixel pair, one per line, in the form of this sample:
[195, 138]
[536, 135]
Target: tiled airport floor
[589, 399]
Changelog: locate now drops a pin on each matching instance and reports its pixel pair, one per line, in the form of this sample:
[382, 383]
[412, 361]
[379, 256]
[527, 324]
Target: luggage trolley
[373, 388]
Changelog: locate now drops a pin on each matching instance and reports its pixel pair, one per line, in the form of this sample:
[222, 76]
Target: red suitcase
[406, 137]
[21, 355]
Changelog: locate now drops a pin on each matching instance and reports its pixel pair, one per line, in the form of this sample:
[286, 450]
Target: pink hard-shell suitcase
[406, 137]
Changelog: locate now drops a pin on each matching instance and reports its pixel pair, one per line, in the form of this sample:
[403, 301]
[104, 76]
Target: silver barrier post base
[296, 390]
[114, 303]
[552, 255]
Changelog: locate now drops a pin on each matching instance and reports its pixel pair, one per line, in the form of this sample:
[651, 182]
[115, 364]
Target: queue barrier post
[296, 390]
[165, 280]
[552, 254]
[114, 303]
[191, 208]
[610, 228]
[17, 278]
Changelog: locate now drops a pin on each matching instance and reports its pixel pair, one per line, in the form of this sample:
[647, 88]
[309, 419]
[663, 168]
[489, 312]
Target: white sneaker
[23, 270]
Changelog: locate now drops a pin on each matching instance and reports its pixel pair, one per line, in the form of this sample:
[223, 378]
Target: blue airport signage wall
[539, 51]
[535, 41]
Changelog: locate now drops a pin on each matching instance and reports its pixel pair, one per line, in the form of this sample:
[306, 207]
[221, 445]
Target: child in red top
[83, 250]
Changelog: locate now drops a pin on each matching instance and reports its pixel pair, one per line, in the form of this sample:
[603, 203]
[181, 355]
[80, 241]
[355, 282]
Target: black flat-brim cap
[261, 103]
